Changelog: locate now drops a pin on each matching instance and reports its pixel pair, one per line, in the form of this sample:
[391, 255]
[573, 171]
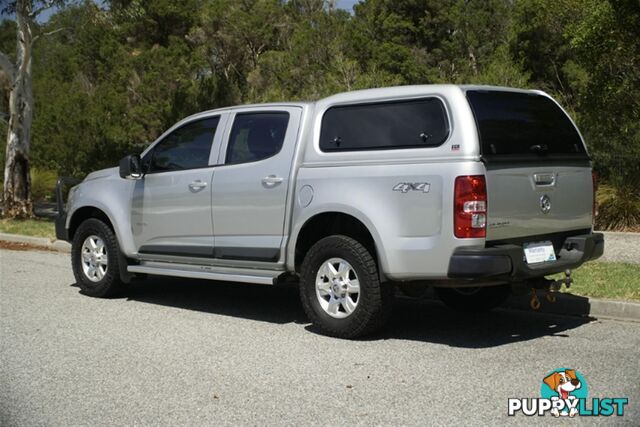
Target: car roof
[401, 91]
[368, 94]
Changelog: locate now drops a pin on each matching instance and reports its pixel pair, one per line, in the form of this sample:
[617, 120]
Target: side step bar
[262, 277]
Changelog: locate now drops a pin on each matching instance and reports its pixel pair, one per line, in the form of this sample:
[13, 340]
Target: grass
[30, 227]
[613, 280]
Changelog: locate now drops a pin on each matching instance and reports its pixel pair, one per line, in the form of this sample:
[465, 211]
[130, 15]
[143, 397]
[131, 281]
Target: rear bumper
[507, 261]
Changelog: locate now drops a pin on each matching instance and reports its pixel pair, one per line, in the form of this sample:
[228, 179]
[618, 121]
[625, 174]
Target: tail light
[594, 208]
[470, 207]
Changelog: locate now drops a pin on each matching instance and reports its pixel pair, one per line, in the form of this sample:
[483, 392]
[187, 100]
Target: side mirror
[130, 167]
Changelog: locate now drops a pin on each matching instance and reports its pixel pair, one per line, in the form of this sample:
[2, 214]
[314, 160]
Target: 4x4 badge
[405, 187]
[545, 204]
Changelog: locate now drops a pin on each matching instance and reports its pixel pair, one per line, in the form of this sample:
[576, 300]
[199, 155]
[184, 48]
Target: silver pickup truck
[473, 190]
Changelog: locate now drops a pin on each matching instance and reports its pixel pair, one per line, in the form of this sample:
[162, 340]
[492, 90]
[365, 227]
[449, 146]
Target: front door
[251, 183]
[171, 206]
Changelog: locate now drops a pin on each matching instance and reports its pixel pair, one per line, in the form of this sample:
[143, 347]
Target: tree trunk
[17, 181]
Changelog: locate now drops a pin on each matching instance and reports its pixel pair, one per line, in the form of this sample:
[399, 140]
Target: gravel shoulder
[621, 247]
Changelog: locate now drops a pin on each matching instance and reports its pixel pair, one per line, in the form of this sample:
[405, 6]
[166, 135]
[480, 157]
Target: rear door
[538, 172]
[251, 183]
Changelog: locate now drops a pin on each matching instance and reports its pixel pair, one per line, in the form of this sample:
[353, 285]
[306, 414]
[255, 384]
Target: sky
[346, 4]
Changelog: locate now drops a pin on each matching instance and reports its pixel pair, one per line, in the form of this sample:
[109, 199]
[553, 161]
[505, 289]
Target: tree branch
[48, 33]
[7, 66]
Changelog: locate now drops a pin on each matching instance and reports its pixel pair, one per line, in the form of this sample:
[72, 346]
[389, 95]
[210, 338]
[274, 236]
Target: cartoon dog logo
[564, 383]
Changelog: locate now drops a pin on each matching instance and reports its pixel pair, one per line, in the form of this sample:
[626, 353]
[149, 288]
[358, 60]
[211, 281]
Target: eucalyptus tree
[17, 182]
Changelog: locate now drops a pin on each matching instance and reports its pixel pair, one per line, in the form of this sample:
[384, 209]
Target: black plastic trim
[230, 253]
[178, 250]
[507, 262]
[478, 266]
[247, 254]
[61, 219]
[61, 227]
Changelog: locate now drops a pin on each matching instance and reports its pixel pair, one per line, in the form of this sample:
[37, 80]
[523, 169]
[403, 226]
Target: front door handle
[271, 180]
[197, 185]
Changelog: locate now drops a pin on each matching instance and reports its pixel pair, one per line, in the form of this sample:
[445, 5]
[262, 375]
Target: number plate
[539, 252]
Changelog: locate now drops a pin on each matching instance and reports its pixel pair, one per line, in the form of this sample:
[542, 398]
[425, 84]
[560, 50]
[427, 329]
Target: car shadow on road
[423, 320]
[429, 320]
[256, 302]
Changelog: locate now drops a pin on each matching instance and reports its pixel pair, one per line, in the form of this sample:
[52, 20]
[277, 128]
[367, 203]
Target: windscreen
[523, 124]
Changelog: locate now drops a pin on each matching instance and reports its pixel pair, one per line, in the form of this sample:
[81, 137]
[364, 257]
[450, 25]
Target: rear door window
[381, 126]
[522, 124]
[256, 136]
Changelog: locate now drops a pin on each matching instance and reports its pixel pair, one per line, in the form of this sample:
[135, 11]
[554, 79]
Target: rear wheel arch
[327, 224]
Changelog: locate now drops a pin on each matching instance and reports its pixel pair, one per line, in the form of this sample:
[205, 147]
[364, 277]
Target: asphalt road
[178, 352]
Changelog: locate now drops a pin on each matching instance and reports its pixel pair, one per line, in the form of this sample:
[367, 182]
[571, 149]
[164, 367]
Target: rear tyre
[340, 289]
[474, 299]
[94, 258]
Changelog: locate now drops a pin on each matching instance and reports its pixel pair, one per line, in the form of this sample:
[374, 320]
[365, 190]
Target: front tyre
[340, 289]
[94, 258]
[476, 299]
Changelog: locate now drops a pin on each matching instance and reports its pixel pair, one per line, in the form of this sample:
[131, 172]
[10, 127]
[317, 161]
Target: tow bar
[551, 287]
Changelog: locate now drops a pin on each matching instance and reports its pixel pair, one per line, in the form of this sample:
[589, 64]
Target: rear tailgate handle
[544, 179]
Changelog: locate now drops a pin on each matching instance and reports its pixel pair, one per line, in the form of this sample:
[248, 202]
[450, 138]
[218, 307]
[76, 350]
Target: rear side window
[256, 136]
[516, 123]
[388, 125]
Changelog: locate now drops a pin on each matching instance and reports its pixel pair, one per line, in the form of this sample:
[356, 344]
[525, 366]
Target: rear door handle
[197, 185]
[271, 180]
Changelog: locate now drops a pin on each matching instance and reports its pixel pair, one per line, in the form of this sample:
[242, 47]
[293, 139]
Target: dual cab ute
[469, 189]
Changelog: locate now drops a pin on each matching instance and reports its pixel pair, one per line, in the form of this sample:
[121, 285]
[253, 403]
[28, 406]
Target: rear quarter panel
[413, 231]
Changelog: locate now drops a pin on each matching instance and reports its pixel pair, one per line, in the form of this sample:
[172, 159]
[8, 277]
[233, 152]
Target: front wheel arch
[84, 213]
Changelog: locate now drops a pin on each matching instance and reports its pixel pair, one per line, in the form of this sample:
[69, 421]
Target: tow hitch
[550, 287]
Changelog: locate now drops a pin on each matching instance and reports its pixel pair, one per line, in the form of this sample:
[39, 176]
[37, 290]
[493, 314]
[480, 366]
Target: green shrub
[43, 184]
[619, 206]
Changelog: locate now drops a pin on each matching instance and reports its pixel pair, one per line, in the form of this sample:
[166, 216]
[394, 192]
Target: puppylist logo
[564, 393]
